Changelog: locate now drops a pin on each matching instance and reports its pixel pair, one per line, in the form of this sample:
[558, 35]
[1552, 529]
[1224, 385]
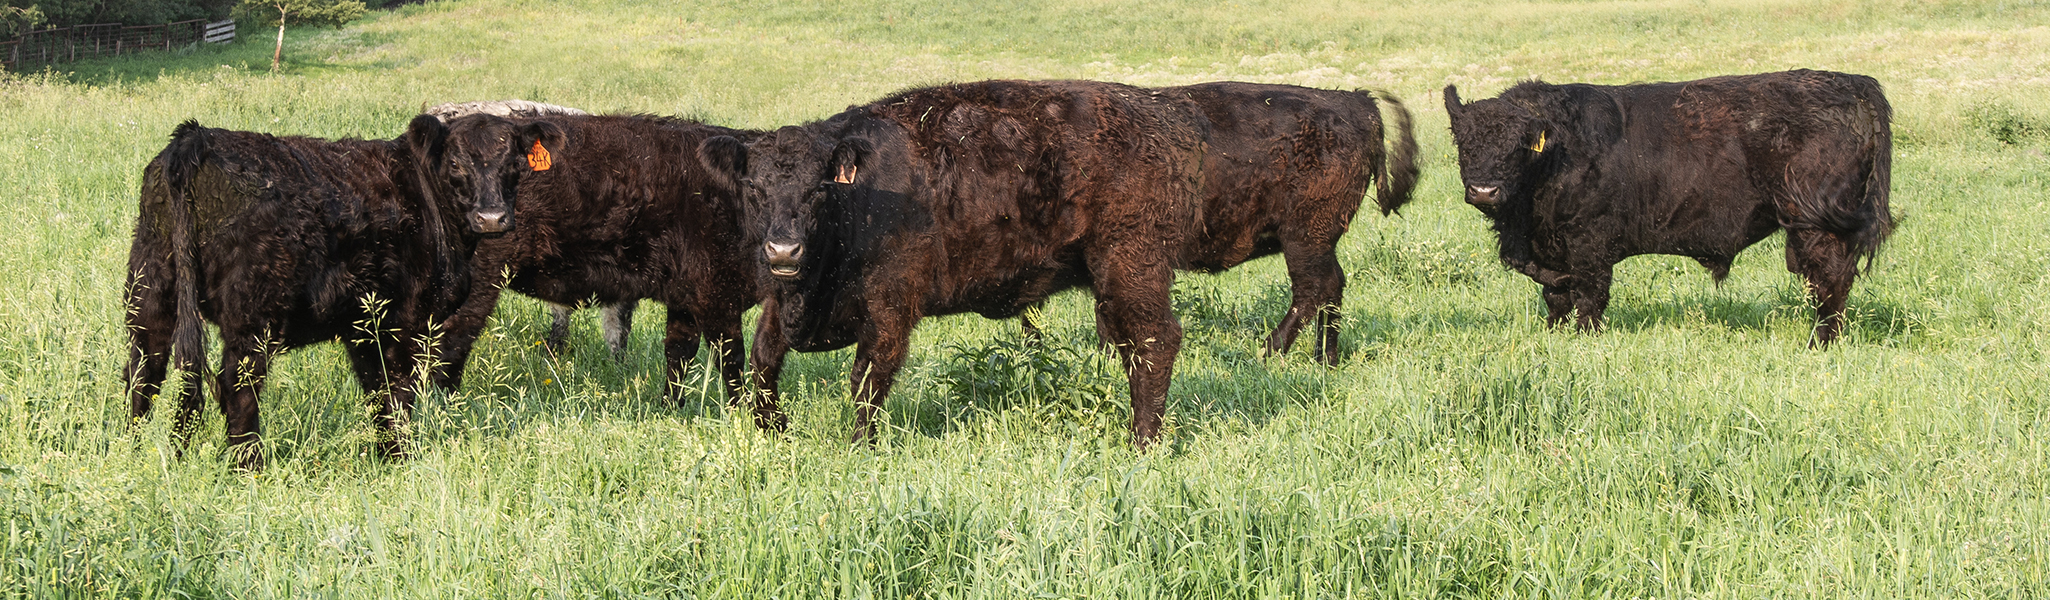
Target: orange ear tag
[538, 159]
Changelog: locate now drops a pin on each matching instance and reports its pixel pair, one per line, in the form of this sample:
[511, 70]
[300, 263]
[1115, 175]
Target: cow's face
[792, 179]
[1501, 144]
[480, 160]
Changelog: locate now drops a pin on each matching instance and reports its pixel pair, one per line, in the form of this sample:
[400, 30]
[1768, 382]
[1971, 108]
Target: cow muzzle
[491, 221]
[1483, 196]
[783, 258]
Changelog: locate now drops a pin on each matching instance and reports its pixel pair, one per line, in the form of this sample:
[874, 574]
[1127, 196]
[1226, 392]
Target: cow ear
[547, 134]
[1452, 100]
[724, 159]
[848, 156]
[427, 136]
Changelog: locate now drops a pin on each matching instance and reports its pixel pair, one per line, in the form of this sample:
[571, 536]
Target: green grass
[1695, 449]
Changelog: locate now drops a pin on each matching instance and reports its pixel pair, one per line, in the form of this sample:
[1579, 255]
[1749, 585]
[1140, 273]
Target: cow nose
[1481, 195]
[491, 221]
[783, 258]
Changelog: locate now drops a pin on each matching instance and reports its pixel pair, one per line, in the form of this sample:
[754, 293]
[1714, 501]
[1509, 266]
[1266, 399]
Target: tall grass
[1696, 448]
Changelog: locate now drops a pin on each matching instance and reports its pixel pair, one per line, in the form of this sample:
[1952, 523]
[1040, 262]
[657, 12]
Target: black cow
[982, 197]
[629, 207]
[617, 319]
[1285, 171]
[288, 241]
[1577, 177]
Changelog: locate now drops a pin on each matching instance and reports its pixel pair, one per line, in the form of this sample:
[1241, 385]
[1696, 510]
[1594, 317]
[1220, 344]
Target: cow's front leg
[885, 342]
[767, 361]
[1134, 314]
[1558, 304]
[1591, 296]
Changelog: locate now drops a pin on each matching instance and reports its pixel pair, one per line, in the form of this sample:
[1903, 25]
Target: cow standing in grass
[1284, 172]
[983, 197]
[629, 207]
[1578, 177]
[616, 318]
[289, 241]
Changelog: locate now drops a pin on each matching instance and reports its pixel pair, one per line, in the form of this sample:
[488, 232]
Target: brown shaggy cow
[629, 207]
[981, 197]
[1285, 172]
[1578, 177]
[288, 241]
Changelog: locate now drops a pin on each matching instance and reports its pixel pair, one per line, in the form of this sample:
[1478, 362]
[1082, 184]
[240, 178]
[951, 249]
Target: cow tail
[1877, 222]
[1398, 169]
[189, 143]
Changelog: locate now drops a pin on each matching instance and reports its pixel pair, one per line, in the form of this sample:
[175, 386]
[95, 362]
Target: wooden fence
[36, 49]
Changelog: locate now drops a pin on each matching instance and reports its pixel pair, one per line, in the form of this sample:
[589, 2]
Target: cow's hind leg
[244, 365]
[1318, 288]
[151, 318]
[1826, 262]
[679, 346]
[558, 327]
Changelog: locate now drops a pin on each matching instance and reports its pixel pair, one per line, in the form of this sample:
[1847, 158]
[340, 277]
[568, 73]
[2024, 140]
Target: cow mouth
[784, 271]
[783, 258]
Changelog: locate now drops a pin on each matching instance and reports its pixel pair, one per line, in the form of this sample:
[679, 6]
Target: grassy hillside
[1695, 449]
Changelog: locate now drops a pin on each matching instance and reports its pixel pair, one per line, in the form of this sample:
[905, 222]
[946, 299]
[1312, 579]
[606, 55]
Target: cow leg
[885, 342]
[151, 318]
[723, 338]
[1558, 304]
[1134, 315]
[244, 365]
[618, 321]
[1028, 324]
[1826, 262]
[1318, 287]
[558, 328]
[460, 330]
[767, 359]
[383, 368]
[1591, 296]
[679, 346]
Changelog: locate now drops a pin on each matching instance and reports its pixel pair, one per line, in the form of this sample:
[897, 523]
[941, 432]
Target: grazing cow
[629, 207]
[1577, 177]
[288, 241]
[618, 316]
[983, 197]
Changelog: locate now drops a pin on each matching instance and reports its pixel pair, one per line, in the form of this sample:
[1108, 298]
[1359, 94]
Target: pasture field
[1696, 449]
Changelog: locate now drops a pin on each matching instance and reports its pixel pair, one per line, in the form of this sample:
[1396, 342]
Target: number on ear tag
[538, 157]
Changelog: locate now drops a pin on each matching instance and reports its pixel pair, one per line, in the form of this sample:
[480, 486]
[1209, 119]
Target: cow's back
[1278, 156]
[1017, 178]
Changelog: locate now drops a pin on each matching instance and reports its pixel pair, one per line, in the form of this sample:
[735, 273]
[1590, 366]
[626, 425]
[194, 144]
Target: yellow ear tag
[846, 174]
[538, 158]
[1539, 147]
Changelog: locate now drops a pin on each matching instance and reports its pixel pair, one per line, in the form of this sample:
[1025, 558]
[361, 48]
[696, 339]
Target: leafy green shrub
[1053, 385]
[2006, 124]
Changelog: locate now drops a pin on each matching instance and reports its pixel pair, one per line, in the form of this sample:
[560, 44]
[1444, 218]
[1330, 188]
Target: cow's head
[796, 173]
[1509, 143]
[477, 162]
[1499, 144]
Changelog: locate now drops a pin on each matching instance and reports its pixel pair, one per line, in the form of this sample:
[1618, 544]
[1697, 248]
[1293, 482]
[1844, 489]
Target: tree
[15, 20]
[324, 13]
